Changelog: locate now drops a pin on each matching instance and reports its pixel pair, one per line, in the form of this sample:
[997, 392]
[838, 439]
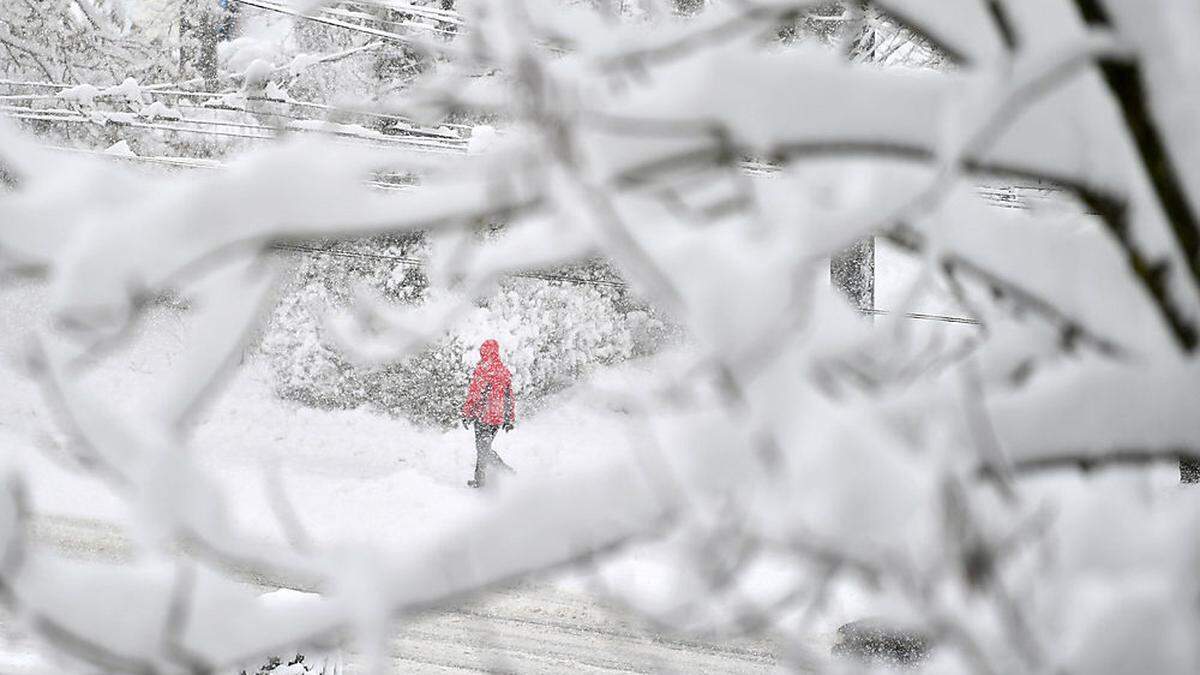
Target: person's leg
[493, 457]
[499, 461]
[484, 433]
[482, 443]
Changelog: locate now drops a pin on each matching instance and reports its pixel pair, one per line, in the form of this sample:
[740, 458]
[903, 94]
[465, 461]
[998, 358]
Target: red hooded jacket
[489, 398]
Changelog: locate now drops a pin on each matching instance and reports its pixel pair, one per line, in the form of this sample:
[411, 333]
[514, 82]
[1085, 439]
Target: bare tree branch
[1126, 83]
[1102, 459]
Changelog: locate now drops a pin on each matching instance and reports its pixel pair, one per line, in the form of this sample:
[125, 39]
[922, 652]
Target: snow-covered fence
[801, 436]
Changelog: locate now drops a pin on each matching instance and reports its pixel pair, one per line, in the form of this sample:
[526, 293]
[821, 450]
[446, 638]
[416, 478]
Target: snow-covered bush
[426, 387]
[551, 334]
[307, 368]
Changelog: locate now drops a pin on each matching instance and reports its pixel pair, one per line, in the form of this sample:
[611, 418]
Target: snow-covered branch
[715, 166]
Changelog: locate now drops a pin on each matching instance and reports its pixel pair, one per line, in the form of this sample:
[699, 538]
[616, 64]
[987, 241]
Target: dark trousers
[484, 454]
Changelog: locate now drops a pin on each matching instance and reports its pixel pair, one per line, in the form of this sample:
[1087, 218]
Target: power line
[188, 162]
[377, 21]
[923, 316]
[47, 85]
[423, 142]
[272, 7]
[158, 90]
[434, 13]
[328, 16]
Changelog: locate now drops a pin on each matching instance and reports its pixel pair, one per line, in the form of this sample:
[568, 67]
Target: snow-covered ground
[361, 476]
[354, 475]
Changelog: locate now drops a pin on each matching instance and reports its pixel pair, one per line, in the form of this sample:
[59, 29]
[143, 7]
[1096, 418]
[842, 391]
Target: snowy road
[538, 628]
[528, 628]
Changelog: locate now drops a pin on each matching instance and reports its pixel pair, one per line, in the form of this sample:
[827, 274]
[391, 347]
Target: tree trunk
[853, 271]
[200, 29]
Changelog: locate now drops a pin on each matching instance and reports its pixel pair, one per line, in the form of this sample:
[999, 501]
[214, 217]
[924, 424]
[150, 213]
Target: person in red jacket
[489, 406]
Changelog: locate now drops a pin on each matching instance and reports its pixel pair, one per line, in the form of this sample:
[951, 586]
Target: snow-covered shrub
[426, 387]
[306, 367]
[551, 333]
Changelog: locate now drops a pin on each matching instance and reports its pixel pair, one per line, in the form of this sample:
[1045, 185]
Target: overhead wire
[367, 30]
[434, 13]
[362, 16]
[216, 96]
[438, 17]
[411, 141]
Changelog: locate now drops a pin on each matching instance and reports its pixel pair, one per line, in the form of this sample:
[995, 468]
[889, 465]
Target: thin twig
[1087, 462]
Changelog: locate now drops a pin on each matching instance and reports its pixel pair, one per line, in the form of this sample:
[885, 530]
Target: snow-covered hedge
[550, 332]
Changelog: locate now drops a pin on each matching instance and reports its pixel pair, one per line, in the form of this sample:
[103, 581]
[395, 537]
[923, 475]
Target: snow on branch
[716, 166]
